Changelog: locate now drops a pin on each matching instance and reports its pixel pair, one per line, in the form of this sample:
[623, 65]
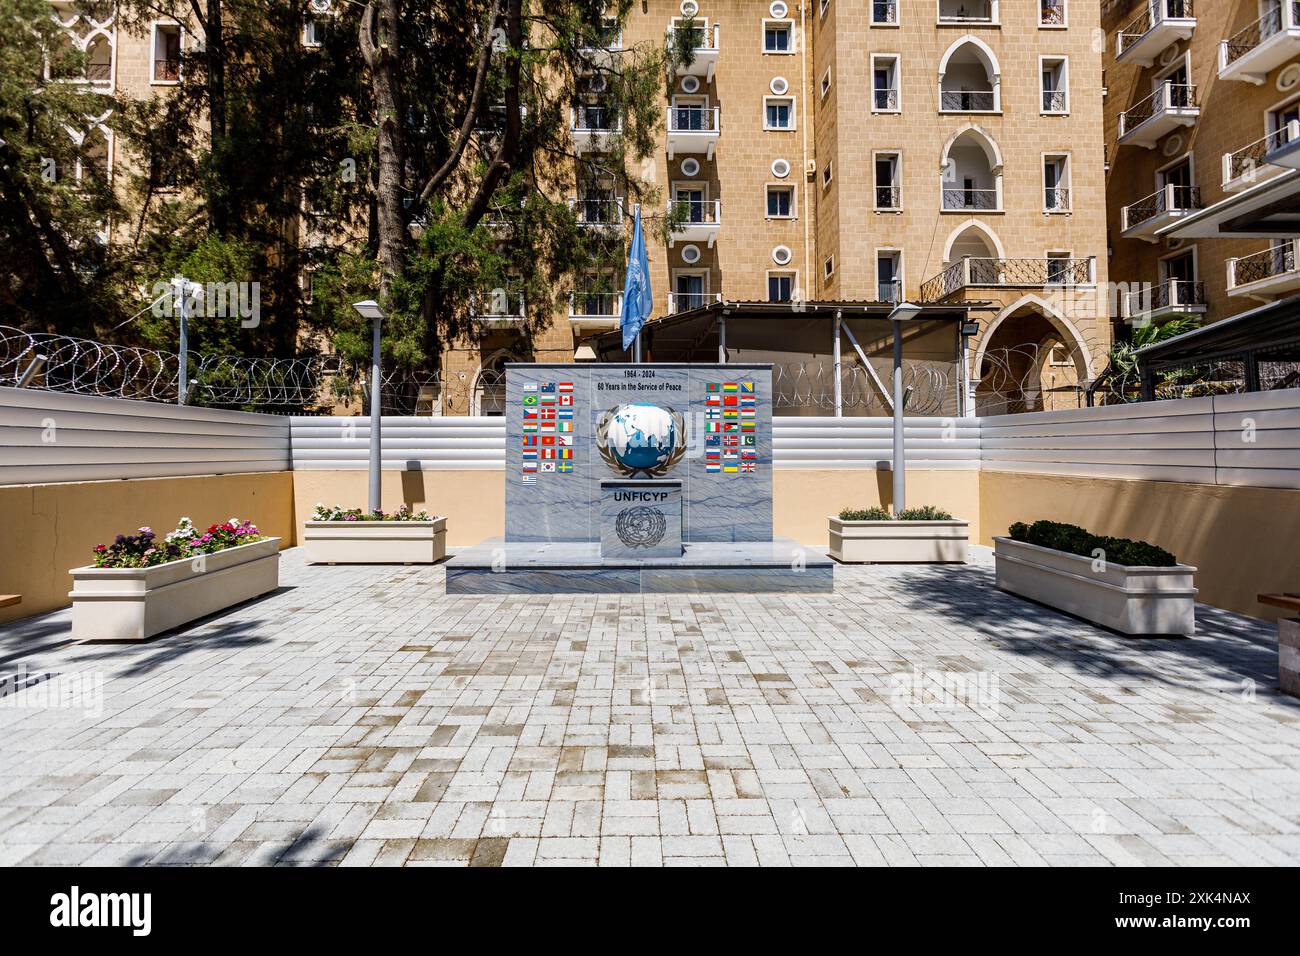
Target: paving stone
[917, 716]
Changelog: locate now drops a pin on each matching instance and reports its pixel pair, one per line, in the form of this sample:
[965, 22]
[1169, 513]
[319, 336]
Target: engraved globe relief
[641, 526]
[641, 438]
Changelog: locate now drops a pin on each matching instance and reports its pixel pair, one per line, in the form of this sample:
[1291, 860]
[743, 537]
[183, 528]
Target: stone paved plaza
[360, 716]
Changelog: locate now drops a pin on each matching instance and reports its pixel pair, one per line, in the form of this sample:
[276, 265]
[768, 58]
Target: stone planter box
[131, 604]
[375, 542]
[909, 542]
[1130, 600]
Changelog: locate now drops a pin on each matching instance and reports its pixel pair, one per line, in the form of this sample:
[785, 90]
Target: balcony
[971, 272]
[1265, 45]
[1162, 22]
[700, 220]
[968, 101]
[1266, 275]
[1144, 218]
[1171, 299]
[687, 301]
[592, 127]
[1171, 105]
[595, 311]
[693, 129]
[971, 199]
[599, 214]
[166, 71]
[1260, 160]
[602, 49]
[962, 13]
[498, 307]
[704, 42]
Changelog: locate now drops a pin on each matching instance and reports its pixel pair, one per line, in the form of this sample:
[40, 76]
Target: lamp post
[902, 312]
[369, 309]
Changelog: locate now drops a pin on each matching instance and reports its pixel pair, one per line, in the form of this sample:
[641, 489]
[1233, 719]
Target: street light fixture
[370, 309]
[903, 312]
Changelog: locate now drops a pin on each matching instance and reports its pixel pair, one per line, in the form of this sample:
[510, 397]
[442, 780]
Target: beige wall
[472, 501]
[49, 529]
[1241, 540]
[802, 499]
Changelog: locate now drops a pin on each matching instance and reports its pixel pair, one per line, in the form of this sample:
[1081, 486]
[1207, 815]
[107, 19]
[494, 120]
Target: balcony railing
[595, 119]
[963, 198]
[498, 304]
[1243, 166]
[889, 290]
[595, 305]
[1170, 198]
[1053, 101]
[166, 70]
[1272, 263]
[967, 101]
[696, 211]
[1051, 13]
[1175, 103]
[686, 301]
[597, 212]
[884, 12]
[704, 43]
[1008, 273]
[1152, 28]
[1173, 296]
[889, 197]
[1056, 198]
[693, 119]
[1251, 52]
[884, 98]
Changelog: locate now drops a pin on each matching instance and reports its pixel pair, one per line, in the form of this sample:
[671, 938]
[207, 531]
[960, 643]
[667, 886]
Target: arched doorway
[1030, 359]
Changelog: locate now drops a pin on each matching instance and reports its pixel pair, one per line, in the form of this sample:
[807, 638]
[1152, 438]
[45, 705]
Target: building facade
[1200, 96]
[941, 151]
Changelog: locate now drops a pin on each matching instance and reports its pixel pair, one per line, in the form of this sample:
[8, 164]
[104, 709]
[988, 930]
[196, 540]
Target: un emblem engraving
[640, 527]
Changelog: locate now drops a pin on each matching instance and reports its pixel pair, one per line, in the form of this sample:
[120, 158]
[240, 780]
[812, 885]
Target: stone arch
[1069, 333]
[991, 239]
[487, 390]
[981, 136]
[986, 54]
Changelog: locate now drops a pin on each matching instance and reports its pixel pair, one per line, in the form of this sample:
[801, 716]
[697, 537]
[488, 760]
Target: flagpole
[636, 346]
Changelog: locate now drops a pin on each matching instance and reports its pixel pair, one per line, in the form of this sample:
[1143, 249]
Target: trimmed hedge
[1072, 539]
[923, 513]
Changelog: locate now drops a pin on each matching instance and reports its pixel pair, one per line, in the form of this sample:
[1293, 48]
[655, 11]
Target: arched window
[971, 172]
[969, 78]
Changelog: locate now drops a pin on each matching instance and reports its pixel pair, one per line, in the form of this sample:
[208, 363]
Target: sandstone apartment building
[943, 151]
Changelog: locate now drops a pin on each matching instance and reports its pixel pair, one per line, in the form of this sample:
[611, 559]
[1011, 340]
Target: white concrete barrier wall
[48, 437]
[1251, 439]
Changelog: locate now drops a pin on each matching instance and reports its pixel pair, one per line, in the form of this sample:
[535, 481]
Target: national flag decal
[544, 406]
[730, 426]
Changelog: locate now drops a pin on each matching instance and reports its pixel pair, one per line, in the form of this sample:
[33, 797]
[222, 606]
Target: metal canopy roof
[1274, 327]
[1269, 209]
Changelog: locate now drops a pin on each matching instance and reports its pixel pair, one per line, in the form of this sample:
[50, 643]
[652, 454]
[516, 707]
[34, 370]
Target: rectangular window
[889, 275]
[778, 36]
[884, 84]
[780, 286]
[888, 181]
[1059, 268]
[826, 82]
[1056, 183]
[827, 175]
[1051, 13]
[884, 13]
[166, 53]
[1053, 85]
[829, 266]
[314, 32]
[780, 202]
[778, 113]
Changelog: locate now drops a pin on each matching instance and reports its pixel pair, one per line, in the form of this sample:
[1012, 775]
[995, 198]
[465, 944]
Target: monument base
[576, 567]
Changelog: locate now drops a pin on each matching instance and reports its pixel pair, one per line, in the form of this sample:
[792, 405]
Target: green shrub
[923, 513]
[1075, 540]
[864, 514]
